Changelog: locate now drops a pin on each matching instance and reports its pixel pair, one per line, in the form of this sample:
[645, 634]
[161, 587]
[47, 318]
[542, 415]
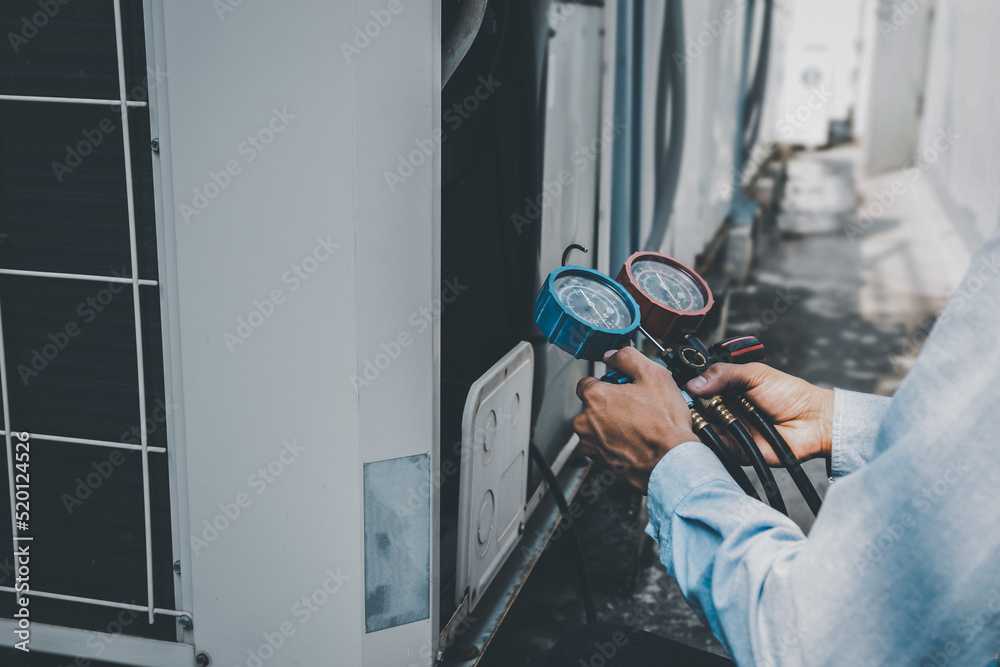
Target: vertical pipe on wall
[638, 72]
[738, 217]
[621, 158]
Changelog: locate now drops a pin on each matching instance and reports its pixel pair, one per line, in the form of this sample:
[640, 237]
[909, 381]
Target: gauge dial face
[668, 286]
[593, 302]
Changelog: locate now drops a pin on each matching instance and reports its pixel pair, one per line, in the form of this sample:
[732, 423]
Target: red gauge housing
[665, 323]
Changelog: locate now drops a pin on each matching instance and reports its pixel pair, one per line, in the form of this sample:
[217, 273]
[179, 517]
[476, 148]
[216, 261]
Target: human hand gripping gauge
[673, 300]
[580, 311]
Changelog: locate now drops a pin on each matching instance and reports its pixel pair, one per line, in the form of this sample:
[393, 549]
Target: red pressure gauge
[672, 298]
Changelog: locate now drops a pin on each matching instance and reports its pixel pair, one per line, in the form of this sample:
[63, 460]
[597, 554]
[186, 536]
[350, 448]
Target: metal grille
[78, 254]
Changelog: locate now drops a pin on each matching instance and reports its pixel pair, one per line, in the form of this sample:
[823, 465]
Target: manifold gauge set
[586, 313]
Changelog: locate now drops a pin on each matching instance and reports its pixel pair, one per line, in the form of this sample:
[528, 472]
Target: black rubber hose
[753, 110]
[784, 452]
[557, 495]
[672, 83]
[735, 470]
[743, 437]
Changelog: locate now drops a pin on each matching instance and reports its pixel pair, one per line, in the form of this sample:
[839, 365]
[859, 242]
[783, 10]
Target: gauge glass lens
[668, 286]
[593, 302]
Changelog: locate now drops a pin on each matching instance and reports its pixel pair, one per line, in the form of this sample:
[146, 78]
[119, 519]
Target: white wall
[962, 97]
[896, 70]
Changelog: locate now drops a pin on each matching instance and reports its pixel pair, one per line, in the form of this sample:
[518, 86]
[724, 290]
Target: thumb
[629, 361]
[721, 377]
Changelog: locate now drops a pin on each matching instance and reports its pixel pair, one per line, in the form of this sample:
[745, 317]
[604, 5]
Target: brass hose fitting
[745, 403]
[698, 421]
[714, 405]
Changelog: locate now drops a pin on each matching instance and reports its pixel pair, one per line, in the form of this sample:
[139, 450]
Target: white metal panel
[305, 233]
[397, 102]
[496, 428]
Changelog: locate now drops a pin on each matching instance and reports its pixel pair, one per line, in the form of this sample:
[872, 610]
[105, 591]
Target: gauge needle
[594, 308]
[667, 289]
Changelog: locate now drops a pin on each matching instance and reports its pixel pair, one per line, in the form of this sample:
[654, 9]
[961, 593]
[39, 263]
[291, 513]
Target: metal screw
[186, 622]
[520, 529]
[177, 567]
[202, 660]
[155, 145]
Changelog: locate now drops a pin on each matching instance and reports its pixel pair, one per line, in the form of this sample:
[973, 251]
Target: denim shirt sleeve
[709, 533]
[899, 567]
[856, 421]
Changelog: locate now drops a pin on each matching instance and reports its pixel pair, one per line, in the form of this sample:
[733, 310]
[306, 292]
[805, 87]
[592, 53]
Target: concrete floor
[862, 289]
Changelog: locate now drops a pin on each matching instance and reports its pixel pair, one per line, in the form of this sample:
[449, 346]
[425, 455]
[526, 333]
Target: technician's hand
[630, 427]
[801, 412]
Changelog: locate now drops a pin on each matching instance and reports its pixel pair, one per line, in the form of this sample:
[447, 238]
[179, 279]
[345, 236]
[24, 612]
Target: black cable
[557, 495]
[784, 452]
[742, 436]
[715, 443]
[753, 108]
[672, 83]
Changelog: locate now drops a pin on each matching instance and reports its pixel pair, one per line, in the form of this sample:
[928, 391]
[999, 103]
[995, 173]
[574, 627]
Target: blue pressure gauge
[585, 313]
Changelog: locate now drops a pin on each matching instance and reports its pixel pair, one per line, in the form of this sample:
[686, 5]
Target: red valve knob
[739, 350]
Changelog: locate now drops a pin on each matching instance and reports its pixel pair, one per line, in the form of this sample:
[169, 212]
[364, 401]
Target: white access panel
[340, 370]
[496, 427]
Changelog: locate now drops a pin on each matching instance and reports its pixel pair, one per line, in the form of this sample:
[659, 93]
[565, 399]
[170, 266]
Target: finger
[629, 361]
[728, 376]
[582, 385]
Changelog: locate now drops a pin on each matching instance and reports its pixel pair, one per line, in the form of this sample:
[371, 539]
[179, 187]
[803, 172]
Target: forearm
[720, 546]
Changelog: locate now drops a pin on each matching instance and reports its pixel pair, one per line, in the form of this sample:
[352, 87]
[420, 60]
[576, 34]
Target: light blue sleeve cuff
[856, 421]
[683, 469]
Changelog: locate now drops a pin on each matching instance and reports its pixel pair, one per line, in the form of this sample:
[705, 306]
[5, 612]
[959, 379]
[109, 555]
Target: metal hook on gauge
[570, 248]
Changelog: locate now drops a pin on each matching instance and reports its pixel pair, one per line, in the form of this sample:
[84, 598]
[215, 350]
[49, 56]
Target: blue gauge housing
[584, 340]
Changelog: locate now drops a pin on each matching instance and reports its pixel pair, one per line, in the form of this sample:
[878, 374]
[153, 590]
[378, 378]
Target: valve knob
[739, 350]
